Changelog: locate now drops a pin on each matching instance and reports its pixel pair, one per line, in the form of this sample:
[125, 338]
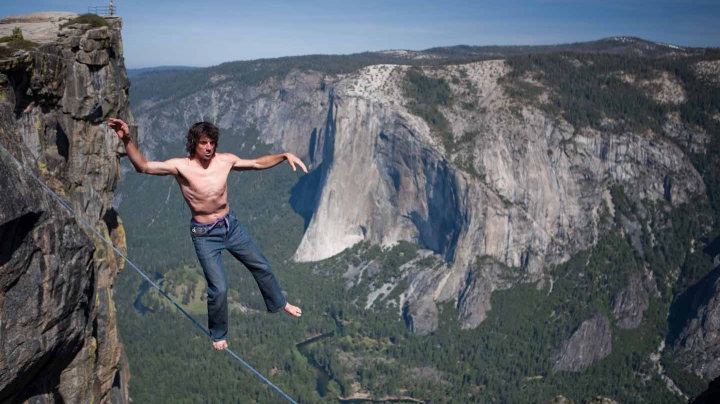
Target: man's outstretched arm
[265, 162]
[136, 158]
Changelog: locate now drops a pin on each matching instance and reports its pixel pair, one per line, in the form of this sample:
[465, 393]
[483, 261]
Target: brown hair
[196, 131]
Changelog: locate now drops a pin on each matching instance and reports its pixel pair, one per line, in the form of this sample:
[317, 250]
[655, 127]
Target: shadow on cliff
[711, 395]
[713, 249]
[440, 230]
[13, 234]
[45, 377]
[305, 195]
[686, 306]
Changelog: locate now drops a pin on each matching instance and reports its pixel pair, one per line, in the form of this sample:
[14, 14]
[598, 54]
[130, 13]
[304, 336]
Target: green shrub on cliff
[15, 42]
[426, 95]
[95, 21]
[17, 33]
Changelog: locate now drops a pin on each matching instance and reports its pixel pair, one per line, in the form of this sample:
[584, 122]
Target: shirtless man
[214, 227]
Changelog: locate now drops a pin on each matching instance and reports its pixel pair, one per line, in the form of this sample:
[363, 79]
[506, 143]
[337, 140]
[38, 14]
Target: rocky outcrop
[663, 88]
[59, 339]
[589, 343]
[697, 311]
[629, 304]
[709, 70]
[36, 27]
[422, 316]
[474, 300]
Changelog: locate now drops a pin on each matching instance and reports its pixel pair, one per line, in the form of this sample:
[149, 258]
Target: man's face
[205, 148]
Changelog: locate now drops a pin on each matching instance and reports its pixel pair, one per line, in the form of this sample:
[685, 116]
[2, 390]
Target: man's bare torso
[205, 188]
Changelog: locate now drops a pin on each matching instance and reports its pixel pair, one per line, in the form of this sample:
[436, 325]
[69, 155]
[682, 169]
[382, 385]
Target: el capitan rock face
[59, 338]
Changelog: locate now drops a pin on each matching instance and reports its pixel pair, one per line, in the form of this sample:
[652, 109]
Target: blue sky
[209, 32]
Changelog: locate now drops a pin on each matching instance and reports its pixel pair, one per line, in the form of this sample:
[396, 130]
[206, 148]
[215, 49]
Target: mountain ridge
[164, 84]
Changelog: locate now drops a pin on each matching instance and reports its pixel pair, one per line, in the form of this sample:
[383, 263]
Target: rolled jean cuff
[282, 306]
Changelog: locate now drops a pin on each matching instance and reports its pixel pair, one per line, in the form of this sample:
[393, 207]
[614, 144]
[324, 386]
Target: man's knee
[217, 291]
[263, 267]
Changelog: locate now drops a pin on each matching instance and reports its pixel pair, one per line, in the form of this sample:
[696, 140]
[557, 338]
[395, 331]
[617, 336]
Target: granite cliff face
[526, 190]
[629, 304]
[591, 342]
[59, 340]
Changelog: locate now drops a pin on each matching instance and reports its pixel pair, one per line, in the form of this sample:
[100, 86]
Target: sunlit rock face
[630, 303]
[591, 342]
[525, 189]
[59, 340]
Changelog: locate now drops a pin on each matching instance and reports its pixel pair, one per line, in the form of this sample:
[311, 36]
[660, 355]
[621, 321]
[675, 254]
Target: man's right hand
[121, 128]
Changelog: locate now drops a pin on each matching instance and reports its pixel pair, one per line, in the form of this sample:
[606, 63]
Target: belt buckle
[198, 230]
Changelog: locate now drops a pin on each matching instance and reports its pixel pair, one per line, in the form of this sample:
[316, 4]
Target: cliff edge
[58, 334]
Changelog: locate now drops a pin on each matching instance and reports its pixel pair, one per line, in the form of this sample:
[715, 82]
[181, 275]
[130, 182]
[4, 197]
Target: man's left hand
[293, 160]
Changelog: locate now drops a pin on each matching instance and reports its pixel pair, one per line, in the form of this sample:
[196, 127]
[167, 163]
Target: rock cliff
[629, 304]
[591, 342]
[59, 341]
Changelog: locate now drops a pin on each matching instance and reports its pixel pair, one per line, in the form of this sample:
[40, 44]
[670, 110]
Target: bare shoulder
[227, 157]
[177, 162]
[167, 167]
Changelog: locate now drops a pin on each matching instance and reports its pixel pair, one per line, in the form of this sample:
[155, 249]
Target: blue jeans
[209, 243]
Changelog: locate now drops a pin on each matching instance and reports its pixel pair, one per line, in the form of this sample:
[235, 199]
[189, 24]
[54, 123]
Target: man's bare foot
[293, 310]
[220, 345]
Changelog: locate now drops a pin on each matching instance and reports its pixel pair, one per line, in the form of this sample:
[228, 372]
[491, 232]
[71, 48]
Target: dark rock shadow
[305, 195]
[686, 306]
[13, 233]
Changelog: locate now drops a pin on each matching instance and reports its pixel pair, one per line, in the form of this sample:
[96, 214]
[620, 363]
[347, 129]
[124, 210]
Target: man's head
[202, 140]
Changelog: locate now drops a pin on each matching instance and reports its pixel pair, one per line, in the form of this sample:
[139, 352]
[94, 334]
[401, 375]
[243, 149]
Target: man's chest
[211, 180]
